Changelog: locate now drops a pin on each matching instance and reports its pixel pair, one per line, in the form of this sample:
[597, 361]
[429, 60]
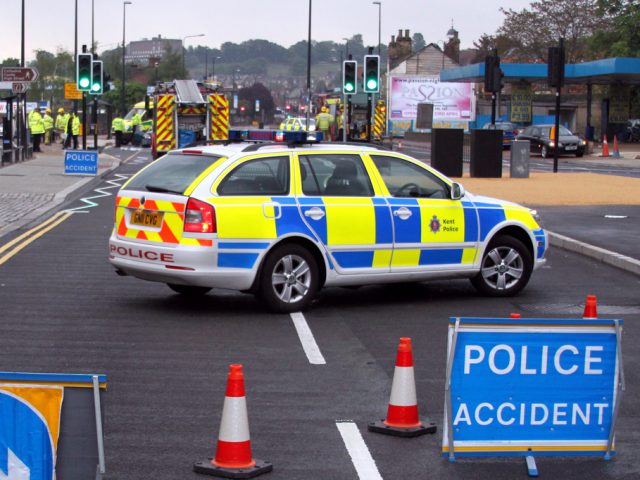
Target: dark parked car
[542, 143]
[509, 131]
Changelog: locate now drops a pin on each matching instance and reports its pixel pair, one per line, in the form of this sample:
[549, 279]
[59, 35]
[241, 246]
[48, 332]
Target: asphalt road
[65, 310]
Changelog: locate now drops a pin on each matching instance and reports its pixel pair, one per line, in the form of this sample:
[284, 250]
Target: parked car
[509, 132]
[543, 144]
[632, 132]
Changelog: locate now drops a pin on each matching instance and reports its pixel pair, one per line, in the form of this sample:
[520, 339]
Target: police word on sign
[80, 163]
[527, 384]
[26, 448]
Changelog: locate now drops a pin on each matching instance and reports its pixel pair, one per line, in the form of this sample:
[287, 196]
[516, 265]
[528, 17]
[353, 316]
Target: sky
[50, 24]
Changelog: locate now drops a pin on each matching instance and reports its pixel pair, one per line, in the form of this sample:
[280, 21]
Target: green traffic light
[84, 82]
[348, 87]
[95, 87]
[372, 84]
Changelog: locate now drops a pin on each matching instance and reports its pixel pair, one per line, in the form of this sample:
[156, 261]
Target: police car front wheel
[289, 279]
[505, 269]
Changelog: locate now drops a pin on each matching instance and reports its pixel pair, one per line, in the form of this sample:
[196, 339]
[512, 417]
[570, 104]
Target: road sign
[29, 431]
[71, 92]
[19, 87]
[532, 387]
[19, 74]
[80, 163]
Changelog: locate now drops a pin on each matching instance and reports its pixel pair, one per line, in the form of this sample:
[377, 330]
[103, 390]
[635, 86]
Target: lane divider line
[102, 193]
[306, 338]
[34, 237]
[360, 455]
[8, 245]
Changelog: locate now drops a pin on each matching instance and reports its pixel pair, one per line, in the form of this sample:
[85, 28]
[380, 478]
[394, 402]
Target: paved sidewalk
[30, 188]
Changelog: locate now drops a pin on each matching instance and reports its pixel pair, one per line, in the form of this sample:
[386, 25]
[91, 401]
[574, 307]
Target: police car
[284, 220]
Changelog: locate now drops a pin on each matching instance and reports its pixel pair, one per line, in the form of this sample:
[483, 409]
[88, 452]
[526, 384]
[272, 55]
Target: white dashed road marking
[358, 451]
[306, 338]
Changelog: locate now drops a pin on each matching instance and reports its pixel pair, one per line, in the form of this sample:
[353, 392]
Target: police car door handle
[315, 213]
[403, 213]
[277, 210]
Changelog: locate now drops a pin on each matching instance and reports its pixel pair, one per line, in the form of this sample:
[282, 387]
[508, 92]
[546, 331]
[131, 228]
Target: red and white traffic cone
[605, 148]
[402, 416]
[591, 307]
[233, 454]
[616, 148]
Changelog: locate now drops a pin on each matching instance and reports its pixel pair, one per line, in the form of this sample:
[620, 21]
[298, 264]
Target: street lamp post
[183, 49]
[124, 17]
[379, 24]
[309, 71]
[213, 68]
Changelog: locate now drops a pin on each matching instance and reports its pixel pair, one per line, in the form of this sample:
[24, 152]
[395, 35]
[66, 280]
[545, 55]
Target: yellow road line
[32, 235]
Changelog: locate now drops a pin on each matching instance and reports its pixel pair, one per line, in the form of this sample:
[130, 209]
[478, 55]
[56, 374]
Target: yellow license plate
[146, 218]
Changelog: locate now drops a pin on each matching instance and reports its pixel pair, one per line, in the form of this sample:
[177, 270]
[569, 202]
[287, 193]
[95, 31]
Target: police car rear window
[171, 173]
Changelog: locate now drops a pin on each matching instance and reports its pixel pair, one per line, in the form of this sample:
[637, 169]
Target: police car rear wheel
[289, 279]
[188, 290]
[505, 269]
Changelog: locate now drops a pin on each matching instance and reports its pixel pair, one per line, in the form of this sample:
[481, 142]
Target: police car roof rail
[257, 146]
[377, 146]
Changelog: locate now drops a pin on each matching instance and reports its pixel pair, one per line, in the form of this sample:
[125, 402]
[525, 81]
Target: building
[146, 52]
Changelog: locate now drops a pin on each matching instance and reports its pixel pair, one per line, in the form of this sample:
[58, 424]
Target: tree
[170, 66]
[539, 27]
[620, 36]
[133, 93]
[258, 91]
[418, 42]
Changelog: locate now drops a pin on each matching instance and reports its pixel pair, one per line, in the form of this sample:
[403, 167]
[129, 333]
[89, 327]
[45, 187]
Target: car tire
[505, 268]
[544, 152]
[289, 279]
[189, 290]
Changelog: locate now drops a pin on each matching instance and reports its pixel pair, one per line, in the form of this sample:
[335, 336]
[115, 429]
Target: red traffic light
[243, 108]
[288, 107]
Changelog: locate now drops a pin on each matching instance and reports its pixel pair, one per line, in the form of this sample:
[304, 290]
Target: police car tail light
[200, 217]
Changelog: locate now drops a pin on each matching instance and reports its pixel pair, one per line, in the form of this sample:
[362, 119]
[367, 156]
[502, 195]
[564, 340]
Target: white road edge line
[358, 451]
[306, 338]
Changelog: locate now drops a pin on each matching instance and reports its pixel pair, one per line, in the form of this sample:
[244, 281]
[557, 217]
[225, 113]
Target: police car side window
[262, 176]
[406, 179]
[334, 175]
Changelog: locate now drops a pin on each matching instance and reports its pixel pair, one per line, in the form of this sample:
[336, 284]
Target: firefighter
[47, 121]
[61, 122]
[117, 125]
[324, 120]
[73, 130]
[36, 125]
[340, 123]
[136, 120]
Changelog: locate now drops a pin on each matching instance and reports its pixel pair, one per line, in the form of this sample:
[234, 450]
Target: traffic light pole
[84, 120]
[94, 122]
[369, 117]
[493, 109]
[557, 119]
[344, 116]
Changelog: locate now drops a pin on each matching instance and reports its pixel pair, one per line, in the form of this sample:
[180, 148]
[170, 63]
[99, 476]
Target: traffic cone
[402, 416]
[616, 148]
[590, 308]
[605, 148]
[233, 453]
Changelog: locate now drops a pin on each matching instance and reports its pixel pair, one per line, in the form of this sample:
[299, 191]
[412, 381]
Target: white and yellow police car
[284, 220]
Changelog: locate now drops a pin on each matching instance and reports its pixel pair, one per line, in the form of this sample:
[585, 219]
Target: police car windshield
[132, 112]
[172, 173]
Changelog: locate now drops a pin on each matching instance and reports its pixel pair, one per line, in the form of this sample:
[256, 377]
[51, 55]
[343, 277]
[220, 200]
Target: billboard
[453, 103]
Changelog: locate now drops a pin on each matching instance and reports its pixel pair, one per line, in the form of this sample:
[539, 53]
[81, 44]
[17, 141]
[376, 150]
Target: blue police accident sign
[532, 387]
[80, 163]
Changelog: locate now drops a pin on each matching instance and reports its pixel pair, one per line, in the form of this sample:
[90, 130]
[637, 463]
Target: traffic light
[349, 69]
[492, 74]
[97, 83]
[371, 73]
[555, 68]
[84, 71]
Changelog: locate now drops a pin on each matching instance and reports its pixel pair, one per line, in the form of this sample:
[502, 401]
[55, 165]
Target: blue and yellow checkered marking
[542, 242]
[409, 230]
[237, 260]
[489, 216]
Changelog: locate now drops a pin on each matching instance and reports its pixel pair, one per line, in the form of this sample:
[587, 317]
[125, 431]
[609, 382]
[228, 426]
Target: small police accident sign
[80, 163]
[525, 387]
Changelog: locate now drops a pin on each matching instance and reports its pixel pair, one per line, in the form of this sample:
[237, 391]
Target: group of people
[325, 122]
[66, 126]
[118, 127]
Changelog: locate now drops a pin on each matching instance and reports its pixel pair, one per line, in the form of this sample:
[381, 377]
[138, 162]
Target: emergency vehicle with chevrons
[283, 220]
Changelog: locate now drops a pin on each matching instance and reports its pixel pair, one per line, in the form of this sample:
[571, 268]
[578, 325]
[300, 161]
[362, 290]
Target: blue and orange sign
[29, 429]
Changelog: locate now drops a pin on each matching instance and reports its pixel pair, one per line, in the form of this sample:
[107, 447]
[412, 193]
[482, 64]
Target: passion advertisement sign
[451, 101]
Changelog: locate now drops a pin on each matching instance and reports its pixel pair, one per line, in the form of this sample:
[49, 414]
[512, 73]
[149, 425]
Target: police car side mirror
[457, 191]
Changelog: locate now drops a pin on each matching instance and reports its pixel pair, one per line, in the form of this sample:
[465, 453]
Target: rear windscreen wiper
[154, 188]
